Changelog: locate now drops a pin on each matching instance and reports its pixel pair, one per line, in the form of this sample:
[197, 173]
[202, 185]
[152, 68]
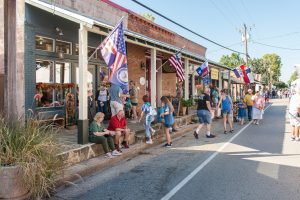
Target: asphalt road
[256, 162]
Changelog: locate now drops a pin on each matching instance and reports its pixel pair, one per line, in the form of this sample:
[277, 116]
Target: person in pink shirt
[258, 107]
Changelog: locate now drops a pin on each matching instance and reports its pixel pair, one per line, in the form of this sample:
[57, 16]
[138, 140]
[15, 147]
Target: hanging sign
[214, 74]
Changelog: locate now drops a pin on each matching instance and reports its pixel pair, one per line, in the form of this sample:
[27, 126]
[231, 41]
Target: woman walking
[146, 110]
[258, 107]
[242, 110]
[167, 114]
[227, 106]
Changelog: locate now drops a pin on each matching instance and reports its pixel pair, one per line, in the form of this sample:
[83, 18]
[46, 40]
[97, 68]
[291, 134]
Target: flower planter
[11, 186]
[184, 111]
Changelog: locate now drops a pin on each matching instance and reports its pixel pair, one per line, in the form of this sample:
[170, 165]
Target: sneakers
[117, 147]
[168, 145]
[149, 141]
[125, 145]
[108, 155]
[225, 132]
[297, 139]
[292, 138]
[231, 131]
[210, 136]
[196, 135]
[116, 153]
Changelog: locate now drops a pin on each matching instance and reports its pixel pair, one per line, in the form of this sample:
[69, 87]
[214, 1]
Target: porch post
[153, 78]
[2, 52]
[220, 79]
[229, 84]
[83, 122]
[193, 84]
[186, 78]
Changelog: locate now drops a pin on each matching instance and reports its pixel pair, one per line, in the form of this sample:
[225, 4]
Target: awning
[236, 81]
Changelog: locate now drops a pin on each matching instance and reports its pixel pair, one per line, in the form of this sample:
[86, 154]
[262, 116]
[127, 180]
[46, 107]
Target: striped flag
[245, 76]
[238, 72]
[114, 54]
[176, 62]
[203, 70]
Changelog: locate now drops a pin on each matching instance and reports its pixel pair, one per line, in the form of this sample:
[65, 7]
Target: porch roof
[131, 36]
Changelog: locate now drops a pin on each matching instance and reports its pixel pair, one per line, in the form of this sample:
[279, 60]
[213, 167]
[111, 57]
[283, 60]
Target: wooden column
[153, 78]
[83, 122]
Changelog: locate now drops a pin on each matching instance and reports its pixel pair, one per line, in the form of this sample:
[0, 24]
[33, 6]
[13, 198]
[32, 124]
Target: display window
[44, 43]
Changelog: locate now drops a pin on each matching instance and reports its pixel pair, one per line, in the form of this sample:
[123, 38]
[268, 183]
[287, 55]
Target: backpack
[152, 111]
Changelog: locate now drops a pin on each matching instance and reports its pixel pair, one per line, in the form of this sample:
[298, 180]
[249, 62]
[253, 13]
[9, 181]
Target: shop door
[148, 78]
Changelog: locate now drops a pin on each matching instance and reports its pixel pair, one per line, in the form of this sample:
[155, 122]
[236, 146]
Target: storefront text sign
[214, 74]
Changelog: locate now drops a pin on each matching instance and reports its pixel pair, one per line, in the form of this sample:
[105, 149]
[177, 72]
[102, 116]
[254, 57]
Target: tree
[293, 77]
[149, 16]
[280, 84]
[232, 61]
[272, 62]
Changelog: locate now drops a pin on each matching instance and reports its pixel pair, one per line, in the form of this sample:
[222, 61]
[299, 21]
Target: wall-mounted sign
[167, 68]
[225, 75]
[214, 74]
[142, 81]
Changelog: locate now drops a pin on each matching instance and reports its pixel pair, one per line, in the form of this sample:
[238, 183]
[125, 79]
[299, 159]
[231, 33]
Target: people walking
[258, 107]
[147, 111]
[204, 112]
[294, 113]
[133, 92]
[227, 106]
[102, 99]
[167, 114]
[241, 110]
[99, 135]
[249, 102]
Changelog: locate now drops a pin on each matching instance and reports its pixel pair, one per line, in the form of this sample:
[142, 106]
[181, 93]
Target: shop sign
[214, 74]
[225, 75]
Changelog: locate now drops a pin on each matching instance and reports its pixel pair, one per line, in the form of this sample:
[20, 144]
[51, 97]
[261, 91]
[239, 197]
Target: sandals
[225, 132]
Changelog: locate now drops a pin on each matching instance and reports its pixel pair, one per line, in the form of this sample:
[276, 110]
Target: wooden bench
[49, 118]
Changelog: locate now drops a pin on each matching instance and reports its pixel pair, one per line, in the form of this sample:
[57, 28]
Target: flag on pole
[176, 62]
[206, 80]
[238, 73]
[114, 54]
[245, 76]
[250, 75]
[203, 70]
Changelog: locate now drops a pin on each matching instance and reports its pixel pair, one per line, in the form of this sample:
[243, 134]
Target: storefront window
[91, 50]
[65, 47]
[43, 43]
[52, 83]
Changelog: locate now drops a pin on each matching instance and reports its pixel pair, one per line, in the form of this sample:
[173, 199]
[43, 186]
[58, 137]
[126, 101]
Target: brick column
[153, 78]
[83, 122]
[186, 78]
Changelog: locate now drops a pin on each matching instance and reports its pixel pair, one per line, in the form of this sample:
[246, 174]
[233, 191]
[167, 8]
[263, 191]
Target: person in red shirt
[118, 127]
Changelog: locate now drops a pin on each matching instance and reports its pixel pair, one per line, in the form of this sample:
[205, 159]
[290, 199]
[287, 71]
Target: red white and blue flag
[113, 51]
[203, 70]
[176, 62]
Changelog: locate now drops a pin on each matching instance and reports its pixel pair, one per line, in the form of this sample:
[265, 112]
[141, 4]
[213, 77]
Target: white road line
[200, 167]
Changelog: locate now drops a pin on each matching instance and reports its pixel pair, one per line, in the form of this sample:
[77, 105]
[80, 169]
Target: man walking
[204, 112]
[249, 102]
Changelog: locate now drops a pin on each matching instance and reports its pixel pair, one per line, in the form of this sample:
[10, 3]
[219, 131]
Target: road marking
[202, 165]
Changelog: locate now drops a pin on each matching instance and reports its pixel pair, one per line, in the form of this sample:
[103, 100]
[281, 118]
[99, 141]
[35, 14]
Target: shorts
[226, 112]
[204, 116]
[168, 125]
[115, 107]
[134, 104]
[295, 121]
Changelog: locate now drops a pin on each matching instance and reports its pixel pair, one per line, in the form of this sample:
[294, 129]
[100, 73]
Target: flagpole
[167, 60]
[106, 37]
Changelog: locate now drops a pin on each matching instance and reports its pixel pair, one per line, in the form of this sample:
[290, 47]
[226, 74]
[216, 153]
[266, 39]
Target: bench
[50, 118]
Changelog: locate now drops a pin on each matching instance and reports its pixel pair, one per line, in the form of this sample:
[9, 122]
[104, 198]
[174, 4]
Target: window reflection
[65, 47]
[43, 43]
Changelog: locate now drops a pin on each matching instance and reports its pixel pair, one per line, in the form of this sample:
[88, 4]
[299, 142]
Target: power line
[231, 45]
[170, 20]
[278, 36]
[277, 47]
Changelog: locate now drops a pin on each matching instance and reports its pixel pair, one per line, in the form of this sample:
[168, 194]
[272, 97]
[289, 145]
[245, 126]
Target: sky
[270, 22]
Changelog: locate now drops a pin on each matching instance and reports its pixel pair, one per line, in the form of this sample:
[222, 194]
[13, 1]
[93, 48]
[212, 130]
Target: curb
[88, 167]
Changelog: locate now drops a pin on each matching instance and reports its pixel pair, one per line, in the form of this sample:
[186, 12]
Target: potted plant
[185, 104]
[28, 160]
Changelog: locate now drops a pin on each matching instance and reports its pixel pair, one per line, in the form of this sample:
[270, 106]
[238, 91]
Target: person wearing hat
[249, 102]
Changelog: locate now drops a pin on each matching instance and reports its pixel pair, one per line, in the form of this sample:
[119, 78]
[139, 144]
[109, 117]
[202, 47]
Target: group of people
[253, 104]
[117, 127]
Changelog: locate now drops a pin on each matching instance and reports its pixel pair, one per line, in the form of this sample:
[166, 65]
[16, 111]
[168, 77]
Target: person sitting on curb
[146, 110]
[118, 126]
[204, 112]
[99, 135]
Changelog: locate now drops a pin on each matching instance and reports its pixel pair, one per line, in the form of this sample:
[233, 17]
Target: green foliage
[272, 62]
[293, 77]
[280, 85]
[34, 150]
[232, 61]
[186, 103]
[149, 16]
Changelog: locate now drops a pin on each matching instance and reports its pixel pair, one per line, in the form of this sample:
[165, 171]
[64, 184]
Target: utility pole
[245, 36]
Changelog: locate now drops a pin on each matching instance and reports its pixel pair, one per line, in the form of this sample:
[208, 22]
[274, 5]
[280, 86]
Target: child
[168, 118]
[146, 110]
[241, 110]
[160, 120]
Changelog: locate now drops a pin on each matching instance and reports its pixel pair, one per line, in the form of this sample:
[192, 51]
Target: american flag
[114, 54]
[175, 60]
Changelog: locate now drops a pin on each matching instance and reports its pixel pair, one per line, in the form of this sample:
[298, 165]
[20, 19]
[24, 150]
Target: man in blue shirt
[116, 95]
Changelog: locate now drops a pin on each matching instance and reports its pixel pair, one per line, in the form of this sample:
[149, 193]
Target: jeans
[249, 108]
[147, 125]
[103, 108]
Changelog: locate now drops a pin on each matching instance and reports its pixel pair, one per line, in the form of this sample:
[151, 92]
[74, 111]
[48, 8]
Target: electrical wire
[170, 20]
[277, 47]
[279, 36]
